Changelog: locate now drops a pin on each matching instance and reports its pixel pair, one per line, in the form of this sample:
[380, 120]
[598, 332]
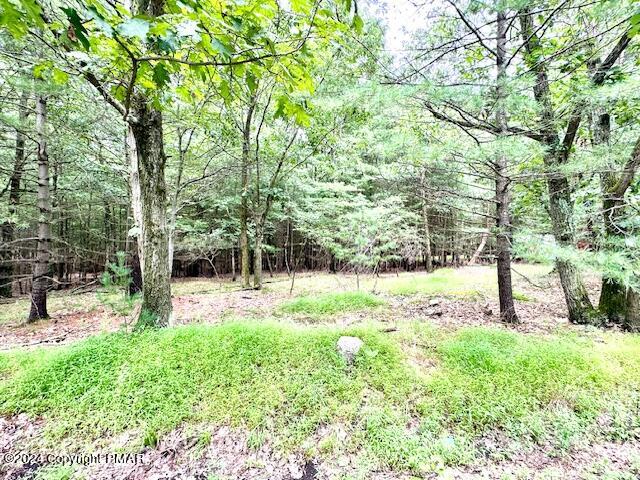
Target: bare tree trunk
[136, 204]
[156, 288]
[244, 201]
[632, 315]
[269, 265]
[428, 260]
[182, 152]
[233, 264]
[257, 255]
[40, 282]
[503, 235]
[7, 233]
[480, 249]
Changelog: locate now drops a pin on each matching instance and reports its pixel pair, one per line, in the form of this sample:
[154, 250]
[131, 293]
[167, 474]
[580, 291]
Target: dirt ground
[210, 301]
[227, 456]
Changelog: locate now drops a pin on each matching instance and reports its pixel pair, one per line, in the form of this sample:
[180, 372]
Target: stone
[349, 347]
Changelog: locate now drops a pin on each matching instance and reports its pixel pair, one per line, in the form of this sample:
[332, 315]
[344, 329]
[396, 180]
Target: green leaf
[357, 24]
[59, 77]
[225, 91]
[160, 75]
[78, 28]
[100, 22]
[222, 48]
[134, 27]
[41, 69]
[300, 6]
[251, 82]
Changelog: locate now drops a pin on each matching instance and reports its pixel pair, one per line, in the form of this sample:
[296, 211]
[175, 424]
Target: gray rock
[349, 347]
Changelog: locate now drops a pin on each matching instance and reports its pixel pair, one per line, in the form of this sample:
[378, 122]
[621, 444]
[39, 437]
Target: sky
[400, 17]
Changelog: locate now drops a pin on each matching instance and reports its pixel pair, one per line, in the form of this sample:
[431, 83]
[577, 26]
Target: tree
[41, 268]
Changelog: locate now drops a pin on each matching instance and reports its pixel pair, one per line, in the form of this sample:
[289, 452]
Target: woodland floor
[447, 302]
[471, 301]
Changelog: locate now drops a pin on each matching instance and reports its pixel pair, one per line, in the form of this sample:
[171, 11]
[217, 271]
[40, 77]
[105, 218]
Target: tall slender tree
[40, 281]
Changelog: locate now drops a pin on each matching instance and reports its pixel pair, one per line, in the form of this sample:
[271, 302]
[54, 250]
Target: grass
[531, 389]
[492, 378]
[331, 303]
[416, 400]
[469, 282]
[281, 382]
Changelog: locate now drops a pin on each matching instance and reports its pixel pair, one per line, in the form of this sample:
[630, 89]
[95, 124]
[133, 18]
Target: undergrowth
[285, 380]
[331, 303]
[281, 382]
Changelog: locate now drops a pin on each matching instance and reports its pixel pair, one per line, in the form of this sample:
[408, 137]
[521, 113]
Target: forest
[320, 239]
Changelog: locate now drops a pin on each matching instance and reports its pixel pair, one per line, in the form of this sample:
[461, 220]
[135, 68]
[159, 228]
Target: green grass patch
[521, 297]
[445, 281]
[469, 282]
[281, 382]
[332, 303]
[493, 379]
[284, 381]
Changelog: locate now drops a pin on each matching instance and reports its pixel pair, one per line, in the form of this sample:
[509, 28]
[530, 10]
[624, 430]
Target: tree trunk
[613, 295]
[561, 210]
[40, 282]
[244, 201]
[428, 260]
[579, 306]
[480, 249]
[632, 316]
[233, 264]
[182, 152]
[156, 289]
[503, 235]
[136, 205]
[7, 233]
[257, 256]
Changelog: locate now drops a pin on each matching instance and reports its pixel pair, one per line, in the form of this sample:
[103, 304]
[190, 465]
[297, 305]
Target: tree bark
[632, 314]
[613, 294]
[233, 264]
[182, 152]
[136, 204]
[561, 211]
[156, 289]
[428, 259]
[244, 200]
[480, 249]
[257, 255]
[7, 233]
[40, 282]
[503, 221]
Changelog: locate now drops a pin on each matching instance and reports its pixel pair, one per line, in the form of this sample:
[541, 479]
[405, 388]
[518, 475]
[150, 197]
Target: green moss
[521, 297]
